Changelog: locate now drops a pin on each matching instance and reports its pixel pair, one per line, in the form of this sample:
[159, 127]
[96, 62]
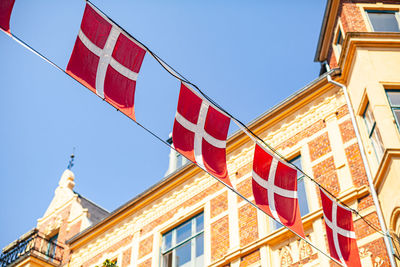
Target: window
[394, 101]
[339, 40]
[383, 20]
[184, 245]
[51, 247]
[373, 132]
[301, 192]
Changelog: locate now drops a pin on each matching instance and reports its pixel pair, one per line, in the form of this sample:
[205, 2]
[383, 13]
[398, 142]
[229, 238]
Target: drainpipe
[367, 169]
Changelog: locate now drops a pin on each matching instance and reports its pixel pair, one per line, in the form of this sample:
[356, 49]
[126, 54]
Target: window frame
[388, 11]
[174, 246]
[393, 107]
[370, 134]
[339, 40]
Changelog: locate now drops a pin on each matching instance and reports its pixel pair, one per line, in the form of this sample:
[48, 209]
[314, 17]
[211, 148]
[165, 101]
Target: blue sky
[246, 55]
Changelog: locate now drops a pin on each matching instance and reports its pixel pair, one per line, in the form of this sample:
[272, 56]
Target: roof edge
[323, 30]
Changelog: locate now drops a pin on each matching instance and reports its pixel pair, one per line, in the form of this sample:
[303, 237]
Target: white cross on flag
[340, 232]
[275, 189]
[106, 60]
[200, 132]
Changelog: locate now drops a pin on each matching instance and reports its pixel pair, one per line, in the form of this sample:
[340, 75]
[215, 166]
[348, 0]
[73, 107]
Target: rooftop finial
[71, 161]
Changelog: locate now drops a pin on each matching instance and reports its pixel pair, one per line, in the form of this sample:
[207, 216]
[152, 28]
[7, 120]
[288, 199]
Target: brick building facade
[312, 127]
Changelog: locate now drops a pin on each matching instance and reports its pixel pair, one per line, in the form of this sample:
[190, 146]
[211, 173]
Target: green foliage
[108, 263]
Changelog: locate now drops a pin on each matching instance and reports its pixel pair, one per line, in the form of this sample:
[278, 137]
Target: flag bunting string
[243, 127]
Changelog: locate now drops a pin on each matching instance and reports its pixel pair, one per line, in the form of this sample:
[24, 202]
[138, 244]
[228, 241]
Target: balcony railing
[33, 244]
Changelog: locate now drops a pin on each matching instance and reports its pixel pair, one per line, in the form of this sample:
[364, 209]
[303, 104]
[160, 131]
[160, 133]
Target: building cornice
[327, 27]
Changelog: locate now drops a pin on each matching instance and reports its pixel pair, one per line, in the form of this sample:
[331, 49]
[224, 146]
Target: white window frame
[371, 10]
[191, 239]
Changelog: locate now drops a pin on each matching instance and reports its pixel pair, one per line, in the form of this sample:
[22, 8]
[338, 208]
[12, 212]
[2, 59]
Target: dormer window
[384, 20]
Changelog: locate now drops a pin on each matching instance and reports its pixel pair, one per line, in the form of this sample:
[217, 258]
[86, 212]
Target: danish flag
[275, 189]
[106, 60]
[340, 232]
[6, 7]
[200, 132]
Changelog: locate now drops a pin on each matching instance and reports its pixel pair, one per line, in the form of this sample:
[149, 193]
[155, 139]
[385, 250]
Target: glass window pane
[297, 162]
[301, 191]
[377, 143]
[183, 254]
[183, 232]
[167, 241]
[397, 114]
[167, 260]
[199, 245]
[394, 97]
[199, 223]
[369, 119]
[383, 21]
[339, 39]
[199, 260]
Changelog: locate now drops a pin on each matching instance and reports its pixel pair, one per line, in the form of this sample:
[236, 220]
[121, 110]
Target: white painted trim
[233, 216]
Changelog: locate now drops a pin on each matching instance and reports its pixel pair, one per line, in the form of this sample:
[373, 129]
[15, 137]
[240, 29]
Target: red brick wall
[351, 17]
[319, 146]
[219, 238]
[244, 170]
[347, 131]
[307, 260]
[126, 257]
[362, 229]
[378, 249]
[251, 258]
[309, 131]
[145, 246]
[365, 202]
[219, 204]
[146, 263]
[245, 189]
[356, 165]
[248, 226]
[114, 247]
[342, 111]
[325, 174]
[73, 230]
[331, 59]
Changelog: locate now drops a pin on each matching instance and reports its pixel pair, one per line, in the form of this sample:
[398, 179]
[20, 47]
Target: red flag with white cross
[340, 231]
[200, 132]
[6, 7]
[106, 60]
[275, 189]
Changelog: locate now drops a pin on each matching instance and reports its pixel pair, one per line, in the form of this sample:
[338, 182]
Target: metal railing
[33, 244]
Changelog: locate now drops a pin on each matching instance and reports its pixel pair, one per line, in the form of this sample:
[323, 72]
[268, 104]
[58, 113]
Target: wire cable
[241, 125]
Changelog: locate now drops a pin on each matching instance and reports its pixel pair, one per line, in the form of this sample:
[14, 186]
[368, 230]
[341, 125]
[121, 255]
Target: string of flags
[107, 60]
